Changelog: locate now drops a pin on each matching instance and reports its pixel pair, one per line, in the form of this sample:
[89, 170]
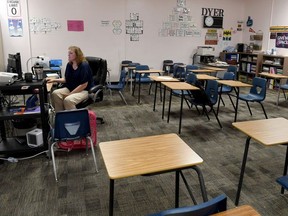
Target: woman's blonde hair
[79, 54]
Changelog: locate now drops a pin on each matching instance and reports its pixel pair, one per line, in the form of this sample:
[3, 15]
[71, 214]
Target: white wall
[100, 41]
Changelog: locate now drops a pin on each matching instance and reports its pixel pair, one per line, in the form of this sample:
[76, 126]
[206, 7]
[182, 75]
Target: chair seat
[225, 89]
[115, 87]
[284, 87]
[179, 92]
[144, 80]
[283, 181]
[250, 97]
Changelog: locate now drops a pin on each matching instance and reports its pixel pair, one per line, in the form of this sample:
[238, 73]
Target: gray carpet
[29, 188]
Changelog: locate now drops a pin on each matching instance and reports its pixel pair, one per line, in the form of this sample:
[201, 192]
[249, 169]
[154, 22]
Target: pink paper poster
[75, 25]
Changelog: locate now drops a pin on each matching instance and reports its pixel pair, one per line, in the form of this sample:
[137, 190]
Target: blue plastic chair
[213, 206]
[144, 77]
[227, 89]
[284, 88]
[257, 93]
[125, 62]
[232, 68]
[283, 181]
[71, 125]
[191, 67]
[120, 86]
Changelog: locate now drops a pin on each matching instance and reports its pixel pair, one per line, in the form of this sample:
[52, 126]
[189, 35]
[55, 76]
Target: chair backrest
[212, 91]
[126, 62]
[215, 205]
[259, 87]
[191, 78]
[178, 71]
[229, 76]
[233, 69]
[71, 124]
[122, 80]
[165, 62]
[142, 67]
[99, 69]
[191, 67]
[133, 64]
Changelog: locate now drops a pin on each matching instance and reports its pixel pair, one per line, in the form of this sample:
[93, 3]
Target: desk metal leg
[177, 189]
[2, 130]
[163, 107]
[168, 118]
[237, 101]
[131, 82]
[139, 88]
[242, 170]
[219, 100]
[285, 167]
[111, 201]
[181, 109]
[155, 95]
[202, 184]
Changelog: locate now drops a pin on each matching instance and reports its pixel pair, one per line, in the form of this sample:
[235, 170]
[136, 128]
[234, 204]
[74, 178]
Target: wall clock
[212, 22]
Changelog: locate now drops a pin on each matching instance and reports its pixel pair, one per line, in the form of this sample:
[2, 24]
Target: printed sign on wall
[282, 40]
[13, 7]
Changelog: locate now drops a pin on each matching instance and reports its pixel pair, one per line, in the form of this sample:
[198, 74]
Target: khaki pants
[60, 102]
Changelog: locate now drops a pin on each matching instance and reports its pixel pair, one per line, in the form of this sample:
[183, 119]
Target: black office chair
[99, 70]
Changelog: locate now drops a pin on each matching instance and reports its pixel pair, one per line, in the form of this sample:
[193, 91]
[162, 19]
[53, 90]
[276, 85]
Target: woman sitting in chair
[77, 81]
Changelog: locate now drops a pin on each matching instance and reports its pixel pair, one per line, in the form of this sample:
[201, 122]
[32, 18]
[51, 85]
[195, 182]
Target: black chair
[213, 206]
[99, 70]
[206, 97]
[179, 71]
[167, 66]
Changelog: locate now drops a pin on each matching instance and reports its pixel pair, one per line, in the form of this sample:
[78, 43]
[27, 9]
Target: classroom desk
[206, 77]
[244, 210]
[140, 72]
[268, 132]
[236, 85]
[176, 86]
[275, 77]
[149, 155]
[159, 79]
[215, 68]
[201, 70]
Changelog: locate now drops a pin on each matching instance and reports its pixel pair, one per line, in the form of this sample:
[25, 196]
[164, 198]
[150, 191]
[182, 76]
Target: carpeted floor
[29, 188]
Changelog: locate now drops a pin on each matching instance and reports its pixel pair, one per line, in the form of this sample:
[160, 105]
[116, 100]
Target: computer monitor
[14, 65]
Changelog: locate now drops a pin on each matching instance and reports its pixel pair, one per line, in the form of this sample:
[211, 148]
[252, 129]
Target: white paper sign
[13, 7]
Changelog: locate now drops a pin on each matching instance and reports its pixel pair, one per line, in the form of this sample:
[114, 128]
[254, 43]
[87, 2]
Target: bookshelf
[249, 64]
[231, 58]
[274, 64]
